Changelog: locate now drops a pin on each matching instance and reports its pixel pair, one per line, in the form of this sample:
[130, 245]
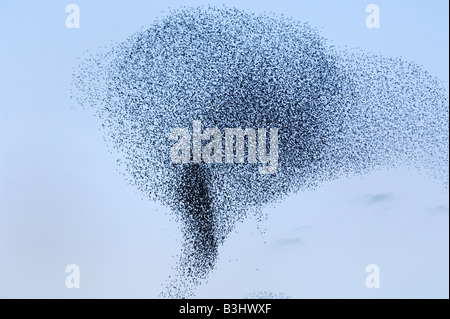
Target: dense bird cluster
[338, 113]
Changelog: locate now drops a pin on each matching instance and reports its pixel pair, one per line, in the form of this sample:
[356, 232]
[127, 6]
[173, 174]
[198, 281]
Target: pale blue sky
[62, 200]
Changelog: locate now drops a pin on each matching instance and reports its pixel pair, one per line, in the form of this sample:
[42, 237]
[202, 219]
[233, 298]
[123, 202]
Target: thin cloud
[289, 241]
[267, 295]
[375, 198]
[440, 209]
[378, 198]
[301, 228]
